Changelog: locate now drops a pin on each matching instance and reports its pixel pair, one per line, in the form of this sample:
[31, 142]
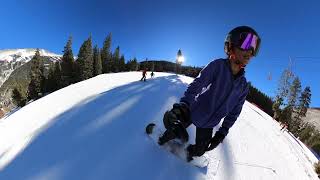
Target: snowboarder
[144, 75]
[152, 74]
[218, 92]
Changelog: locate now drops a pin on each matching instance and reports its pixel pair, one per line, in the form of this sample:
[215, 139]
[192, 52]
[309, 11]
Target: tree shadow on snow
[103, 138]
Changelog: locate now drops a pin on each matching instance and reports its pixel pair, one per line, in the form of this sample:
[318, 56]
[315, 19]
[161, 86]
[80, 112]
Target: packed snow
[95, 129]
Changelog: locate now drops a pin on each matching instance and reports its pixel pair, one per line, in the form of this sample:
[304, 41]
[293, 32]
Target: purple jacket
[215, 94]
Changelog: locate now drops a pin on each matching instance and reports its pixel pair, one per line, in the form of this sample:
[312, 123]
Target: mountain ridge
[14, 66]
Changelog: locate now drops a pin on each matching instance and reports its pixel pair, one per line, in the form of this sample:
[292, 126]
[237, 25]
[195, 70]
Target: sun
[180, 59]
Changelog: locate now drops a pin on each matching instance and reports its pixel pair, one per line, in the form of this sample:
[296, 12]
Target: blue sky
[157, 29]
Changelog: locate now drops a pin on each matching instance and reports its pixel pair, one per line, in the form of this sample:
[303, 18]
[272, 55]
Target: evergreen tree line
[94, 61]
[91, 61]
[166, 66]
[290, 106]
[317, 168]
[260, 99]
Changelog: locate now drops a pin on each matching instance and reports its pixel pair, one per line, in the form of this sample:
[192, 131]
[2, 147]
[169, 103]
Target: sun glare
[180, 59]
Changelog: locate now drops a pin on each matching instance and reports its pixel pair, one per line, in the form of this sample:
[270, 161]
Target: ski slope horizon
[94, 129]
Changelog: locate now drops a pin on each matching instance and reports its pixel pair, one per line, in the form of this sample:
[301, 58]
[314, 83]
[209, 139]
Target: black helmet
[243, 37]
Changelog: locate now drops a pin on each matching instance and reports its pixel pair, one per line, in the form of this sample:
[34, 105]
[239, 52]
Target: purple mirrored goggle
[249, 41]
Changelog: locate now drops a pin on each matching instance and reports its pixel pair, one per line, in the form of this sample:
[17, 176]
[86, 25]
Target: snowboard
[175, 147]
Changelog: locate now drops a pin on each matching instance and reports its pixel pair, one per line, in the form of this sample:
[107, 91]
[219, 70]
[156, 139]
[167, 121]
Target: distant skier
[218, 92]
[144, 75]
[284, 126]
[152, 74]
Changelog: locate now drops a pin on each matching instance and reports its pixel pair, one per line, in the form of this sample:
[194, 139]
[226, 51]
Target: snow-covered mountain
[11, 59]
[10, 55]
[94, 129]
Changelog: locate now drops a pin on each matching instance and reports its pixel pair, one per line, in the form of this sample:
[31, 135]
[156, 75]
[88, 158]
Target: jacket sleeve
[198, 83]
[231, 118]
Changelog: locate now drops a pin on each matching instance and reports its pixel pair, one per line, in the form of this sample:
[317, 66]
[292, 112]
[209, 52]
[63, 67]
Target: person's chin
[245, 61]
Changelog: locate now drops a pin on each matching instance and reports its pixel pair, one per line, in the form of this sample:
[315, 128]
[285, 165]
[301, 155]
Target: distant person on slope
[144, 75]
[284, 126]
[218, 92]
[152, 74]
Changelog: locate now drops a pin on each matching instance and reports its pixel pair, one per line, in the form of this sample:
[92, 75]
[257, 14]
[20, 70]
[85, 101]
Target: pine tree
[33, 91]
[282, 109]
[132, 65]
[317, 167]
[122, 64]
[284, 85]
[85, 60]
[97, 66]
[77, 77]
[36, 85]
[116, 60]
[306, 132]
[135, 64]
[128, 65]
[300, 111]
[57, 76]
[106, 55]
[152, 66]
[18, 98]
[304, 102]
[67, 64]
[54, 81]
[50, 85]
[295, 90]
[43, 79]
[285, 117]
[276, 108]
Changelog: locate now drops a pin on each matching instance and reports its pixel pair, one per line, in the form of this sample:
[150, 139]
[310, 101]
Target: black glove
[193, 150]
[197, 149]
[215, 141]
[176, 121]
[179, 113]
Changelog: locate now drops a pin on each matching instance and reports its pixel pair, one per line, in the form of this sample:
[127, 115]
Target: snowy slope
[95, 130]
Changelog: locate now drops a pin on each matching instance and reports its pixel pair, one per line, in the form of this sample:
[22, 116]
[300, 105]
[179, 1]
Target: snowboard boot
[167, 136]
[175, 131]
[197, 149]
[180, 132]
[190, 152]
